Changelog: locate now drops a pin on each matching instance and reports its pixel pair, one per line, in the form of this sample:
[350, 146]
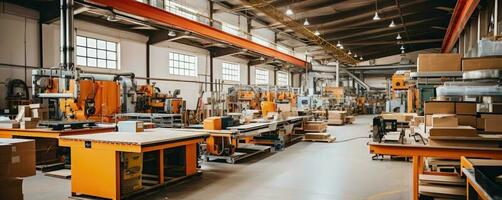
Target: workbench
[474, 189]
[96, 164]
[418, 152]
[46, 137]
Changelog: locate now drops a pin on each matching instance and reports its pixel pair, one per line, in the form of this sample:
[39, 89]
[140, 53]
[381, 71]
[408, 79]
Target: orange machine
[217, 143]
[267, 106]
[399, 80]
[96, 100]
[151, 100]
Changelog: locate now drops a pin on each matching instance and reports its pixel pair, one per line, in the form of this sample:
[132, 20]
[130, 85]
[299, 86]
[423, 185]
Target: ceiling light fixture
[289, 12]
[341, 47]
[339, 44]
[376, 17]
[361, 58]
[402, 51]
[398, 36]
[402, 47]
[350, 53]
[171, 33]
[392, 24]
[262, 58]
[306, 22]
[317, 33]
[355, 55]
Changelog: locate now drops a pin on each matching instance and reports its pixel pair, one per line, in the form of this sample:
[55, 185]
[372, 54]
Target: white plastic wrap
[469, 90]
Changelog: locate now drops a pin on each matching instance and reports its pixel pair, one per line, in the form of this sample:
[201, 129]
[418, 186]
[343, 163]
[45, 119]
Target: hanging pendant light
[306, 22]
[402, 47]
[350, 53]
[355, 55]
[392, 24]
[341, 47]
[398, 36]
[171, 33]
[289, 12]
[317, 33]
[376, 17]
[361, 58]
[339, 44]
[402, 51]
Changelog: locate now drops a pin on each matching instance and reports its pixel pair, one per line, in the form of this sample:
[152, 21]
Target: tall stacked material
[17, 160]
[336, 117]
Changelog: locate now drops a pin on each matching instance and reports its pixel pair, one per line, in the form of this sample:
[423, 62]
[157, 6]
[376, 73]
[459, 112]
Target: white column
[337, 76]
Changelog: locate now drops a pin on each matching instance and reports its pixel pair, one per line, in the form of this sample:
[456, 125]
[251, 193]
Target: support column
[148, 63]
[495, 18]
[211, 73]
[249, 73]
[275, 77]
[337, 76]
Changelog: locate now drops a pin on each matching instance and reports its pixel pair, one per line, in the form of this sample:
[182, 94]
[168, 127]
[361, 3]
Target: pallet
[327, 140]
[316, 131]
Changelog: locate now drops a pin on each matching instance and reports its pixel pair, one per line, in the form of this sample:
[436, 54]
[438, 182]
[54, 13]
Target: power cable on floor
[350, 139]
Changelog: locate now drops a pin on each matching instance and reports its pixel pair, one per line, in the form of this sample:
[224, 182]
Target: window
[231, 72]
[261, 76]
[176, 8]
[282, 78]
[260, 41]
[92, 52]
[230, 29]
[181, 64]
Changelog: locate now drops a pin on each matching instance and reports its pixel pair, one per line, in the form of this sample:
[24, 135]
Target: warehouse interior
[250, 99]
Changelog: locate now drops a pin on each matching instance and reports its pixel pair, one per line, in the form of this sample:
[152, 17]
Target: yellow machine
[219, 144]
[96, 100]
[267, 106]
[400, 80]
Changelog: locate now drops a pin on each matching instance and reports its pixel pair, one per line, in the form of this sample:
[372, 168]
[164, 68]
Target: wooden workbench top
[49, 130]
[149, 136]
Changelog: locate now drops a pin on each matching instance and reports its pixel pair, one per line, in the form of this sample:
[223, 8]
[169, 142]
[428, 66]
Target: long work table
[98, 170]
[418, 152]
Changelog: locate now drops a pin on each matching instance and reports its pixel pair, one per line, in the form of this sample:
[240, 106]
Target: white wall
[17, 21]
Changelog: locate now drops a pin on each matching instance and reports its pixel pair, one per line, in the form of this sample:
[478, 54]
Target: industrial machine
[381, 127]
[400, 80]
[17, 94]
[79, 97]
[151, 100]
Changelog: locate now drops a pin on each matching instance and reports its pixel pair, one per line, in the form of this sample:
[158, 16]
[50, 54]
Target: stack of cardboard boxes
[336, 117]
[131, 176]
[27, 117]
[17, 160]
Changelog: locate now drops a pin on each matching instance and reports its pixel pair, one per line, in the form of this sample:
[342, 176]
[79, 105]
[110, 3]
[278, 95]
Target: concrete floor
[303, 171]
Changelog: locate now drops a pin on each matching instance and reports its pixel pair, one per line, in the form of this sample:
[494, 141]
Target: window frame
[279, 78]
[230, 74]
[108, 54]
[258, 80]
[181, 64]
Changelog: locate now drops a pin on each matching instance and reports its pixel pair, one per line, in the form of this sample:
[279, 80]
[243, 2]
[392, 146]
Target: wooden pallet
[316, 130]
[327, 140]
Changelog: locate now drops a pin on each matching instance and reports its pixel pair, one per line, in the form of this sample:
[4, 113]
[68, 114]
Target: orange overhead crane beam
[160, 16]
[461, 14]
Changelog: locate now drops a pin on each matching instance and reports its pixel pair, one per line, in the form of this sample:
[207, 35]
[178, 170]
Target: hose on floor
[350, 139]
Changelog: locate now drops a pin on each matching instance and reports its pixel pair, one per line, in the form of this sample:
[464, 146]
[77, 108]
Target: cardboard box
[11, 188]
[316, 126]
[335, 114]
[481, 119]
[444, 120]
[22, 158]
[212, 123]
[336, 121]
[132, 165]
[130, 126]
[285, 115]
[467, 120]
[459, 131]
[5, 159]
[131, 185]
[28, 124]
[286, 107]
[481, 63]
[465, 108]
[493, 125]
[428, 120]
[439, 107]
[438, 62]
[401, 117]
